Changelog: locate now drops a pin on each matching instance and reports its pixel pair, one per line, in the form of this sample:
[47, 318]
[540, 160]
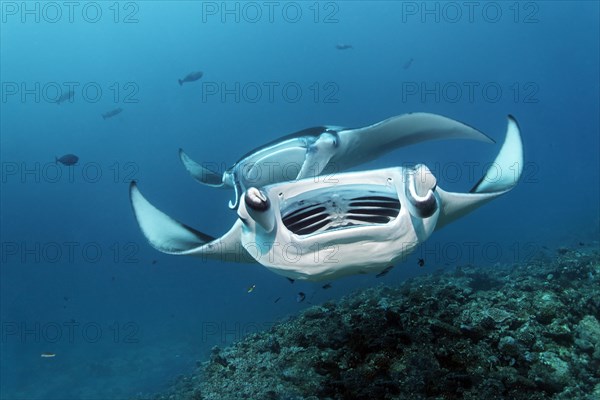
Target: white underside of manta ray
[310, 152]
[323, 229]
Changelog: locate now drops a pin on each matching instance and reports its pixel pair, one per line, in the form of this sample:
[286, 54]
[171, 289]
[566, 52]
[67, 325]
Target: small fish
[384, 272]
[291, 280]
[277, 299]
[112, 113]
[65, 96]
[191, 77]
[66, 298]
[154, 262]
[300, 297]
[67, 159]
[421, 262]
[326, 286]
[251, 288]
[48, 355]
[343, 46]
[407, 64]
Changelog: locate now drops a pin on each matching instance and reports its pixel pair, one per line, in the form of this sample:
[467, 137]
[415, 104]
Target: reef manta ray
[310, 152]
[322, 229]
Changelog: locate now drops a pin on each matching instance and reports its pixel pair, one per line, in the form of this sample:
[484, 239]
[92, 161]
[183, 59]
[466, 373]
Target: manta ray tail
[502, 175]
[200, 173]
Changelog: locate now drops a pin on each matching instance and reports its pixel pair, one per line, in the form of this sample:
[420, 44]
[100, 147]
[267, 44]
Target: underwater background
[79, 282]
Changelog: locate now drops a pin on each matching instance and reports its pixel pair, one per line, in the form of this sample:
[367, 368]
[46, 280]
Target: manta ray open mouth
[352, 206]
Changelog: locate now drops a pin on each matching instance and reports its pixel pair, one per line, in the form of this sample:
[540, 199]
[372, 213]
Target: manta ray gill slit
[352, 206]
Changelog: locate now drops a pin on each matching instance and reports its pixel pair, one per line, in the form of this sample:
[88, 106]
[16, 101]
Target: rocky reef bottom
[516, 332]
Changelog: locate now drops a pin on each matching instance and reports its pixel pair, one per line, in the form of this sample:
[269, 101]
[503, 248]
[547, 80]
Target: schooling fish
[112, 113]
[67, 159]
[343, 46]
[300, 297]
[191, 77]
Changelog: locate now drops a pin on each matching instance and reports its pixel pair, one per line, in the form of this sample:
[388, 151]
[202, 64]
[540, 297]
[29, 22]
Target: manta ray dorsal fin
[500, 178]
[163, 232]
[200, 173]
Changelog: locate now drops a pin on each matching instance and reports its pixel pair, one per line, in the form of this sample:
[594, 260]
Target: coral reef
[517, 332]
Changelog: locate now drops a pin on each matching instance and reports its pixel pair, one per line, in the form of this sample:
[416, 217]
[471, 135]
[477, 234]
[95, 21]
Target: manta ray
[324, 228]
[311, 152]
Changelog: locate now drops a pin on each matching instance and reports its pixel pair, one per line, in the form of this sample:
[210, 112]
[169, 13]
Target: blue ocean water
[78, 280]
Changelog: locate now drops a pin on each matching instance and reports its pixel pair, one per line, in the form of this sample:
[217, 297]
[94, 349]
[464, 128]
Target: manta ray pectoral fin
[370, 142]
[505, 171]
[501, 177]
[169, 236]
[200, 173]
[163, 232]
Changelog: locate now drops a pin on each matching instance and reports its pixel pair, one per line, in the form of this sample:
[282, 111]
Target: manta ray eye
[256, 199]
